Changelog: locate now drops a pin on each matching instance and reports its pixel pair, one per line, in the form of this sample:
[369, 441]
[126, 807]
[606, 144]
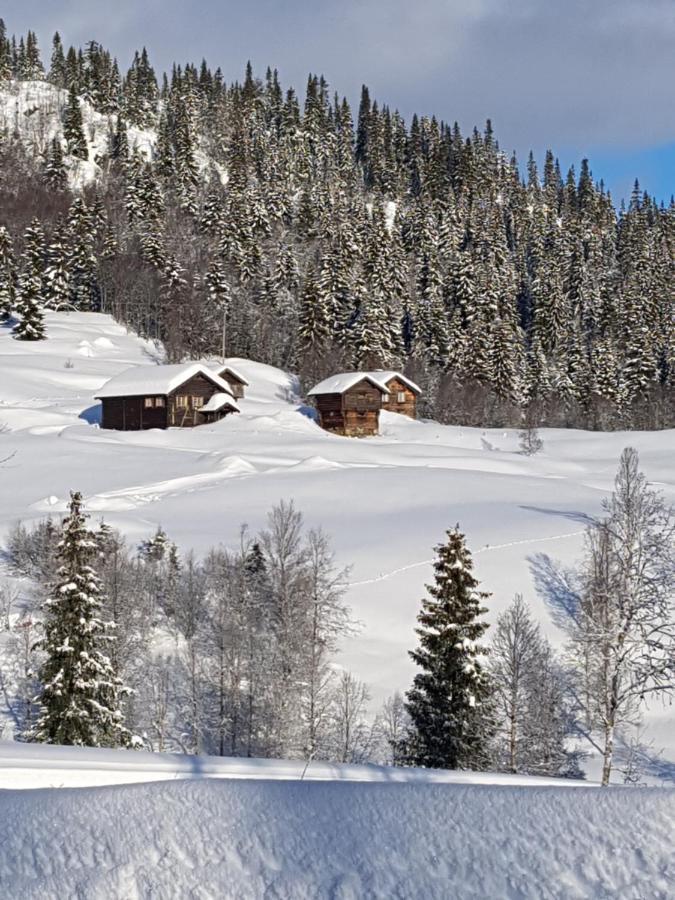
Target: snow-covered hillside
[412, 835]
[386, 501]
[34, 110]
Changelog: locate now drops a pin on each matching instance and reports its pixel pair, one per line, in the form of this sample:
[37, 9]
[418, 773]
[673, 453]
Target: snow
[141, 380]
[338, 384]
[398, 834]
[218, 401]
[224, 371]
[385, 501]
[30, 766]
[385, 377]
[35, 108]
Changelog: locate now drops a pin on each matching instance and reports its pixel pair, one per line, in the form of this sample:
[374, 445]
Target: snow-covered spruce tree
[73, 131]
[54, 170]
[31, 325]
[81, 696]
[7, 275]
[449, 702]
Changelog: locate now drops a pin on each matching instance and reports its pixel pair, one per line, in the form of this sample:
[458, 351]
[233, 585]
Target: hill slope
[385, 501]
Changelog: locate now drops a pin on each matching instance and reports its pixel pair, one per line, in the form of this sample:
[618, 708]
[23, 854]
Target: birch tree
[622, 633]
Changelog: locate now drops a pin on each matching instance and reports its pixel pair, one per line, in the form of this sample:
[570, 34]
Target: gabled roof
[139, 381]
[218, 402]
[339, 384]
[225, 370]
[385, 378]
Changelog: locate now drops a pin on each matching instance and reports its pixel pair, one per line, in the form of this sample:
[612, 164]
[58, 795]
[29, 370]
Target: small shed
[165, 396]
[234, 378]
[349, 403]
[402, 393]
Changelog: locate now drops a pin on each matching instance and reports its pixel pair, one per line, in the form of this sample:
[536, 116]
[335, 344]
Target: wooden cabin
[235, 379]
[179, 396]
[349, 404]
[402, 393]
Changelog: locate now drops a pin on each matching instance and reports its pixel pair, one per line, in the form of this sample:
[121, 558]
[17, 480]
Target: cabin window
[182, 400]
[159, 401]
[197, 402]
[149, 402]
[400, 397]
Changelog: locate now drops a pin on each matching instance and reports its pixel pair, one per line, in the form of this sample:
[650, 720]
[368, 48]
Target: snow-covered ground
[258, 831]
[30, 766]
[386, 501]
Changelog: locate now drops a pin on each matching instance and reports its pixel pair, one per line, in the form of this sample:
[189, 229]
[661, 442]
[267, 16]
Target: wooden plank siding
[198, 390]
[131, 413]
[236, 385]
[401, 399]
[180, 408]
[355, 413]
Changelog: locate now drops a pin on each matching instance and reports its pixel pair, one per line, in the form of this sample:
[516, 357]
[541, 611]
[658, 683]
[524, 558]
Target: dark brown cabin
[349, 404]
[235, 379]
[163, 397]
[402, 393]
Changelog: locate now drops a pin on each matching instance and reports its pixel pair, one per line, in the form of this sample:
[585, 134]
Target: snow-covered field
[91, 823]
[386, 501]
[397, 834]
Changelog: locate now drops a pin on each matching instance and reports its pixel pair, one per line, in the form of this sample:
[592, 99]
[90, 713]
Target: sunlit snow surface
[34, 109]
[385, 501]
[357, 832]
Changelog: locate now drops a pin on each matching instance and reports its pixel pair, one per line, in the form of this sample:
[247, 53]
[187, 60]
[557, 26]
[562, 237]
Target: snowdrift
[29, 766]
[296, 840]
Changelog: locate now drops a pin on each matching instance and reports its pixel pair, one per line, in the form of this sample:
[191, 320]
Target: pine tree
[5, 54]
[8, 276]
[73, 131]
[57, 69]
[34, 70]
[81, 695]
[448, 703]
[31, 326]
[54, 171]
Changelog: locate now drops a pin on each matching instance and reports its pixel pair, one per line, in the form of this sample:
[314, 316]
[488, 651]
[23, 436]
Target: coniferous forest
[318, 238]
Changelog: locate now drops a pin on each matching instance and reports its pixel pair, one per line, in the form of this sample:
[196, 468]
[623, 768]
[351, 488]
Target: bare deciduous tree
[622, 632]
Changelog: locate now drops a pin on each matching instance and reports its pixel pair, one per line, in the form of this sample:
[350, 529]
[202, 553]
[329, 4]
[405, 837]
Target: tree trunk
[607, 753]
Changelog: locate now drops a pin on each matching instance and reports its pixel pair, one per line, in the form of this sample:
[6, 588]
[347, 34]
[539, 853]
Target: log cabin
[180, 396]
[402, 393]
[349, 403]
[235, 379]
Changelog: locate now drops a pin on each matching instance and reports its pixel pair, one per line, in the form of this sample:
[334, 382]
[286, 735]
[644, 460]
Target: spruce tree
[448, 703]
[57, 69]
[81, 695]
[5, 54]
[7, 275]
[54, 170]
[72, 126]
[31, 325]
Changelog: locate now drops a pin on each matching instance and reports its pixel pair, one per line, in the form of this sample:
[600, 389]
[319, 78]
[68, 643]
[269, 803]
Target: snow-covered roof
[385, 378]
[225, 370]
[142, 380]
[338, 384]
[218, 401]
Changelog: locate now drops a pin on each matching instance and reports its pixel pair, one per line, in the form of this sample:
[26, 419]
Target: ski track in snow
[488, 548]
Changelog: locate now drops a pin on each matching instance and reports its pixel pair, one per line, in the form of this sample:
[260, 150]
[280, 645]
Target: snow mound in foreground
[284, 839]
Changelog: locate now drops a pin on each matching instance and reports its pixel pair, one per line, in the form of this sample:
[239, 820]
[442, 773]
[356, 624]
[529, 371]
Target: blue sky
[591, 78]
